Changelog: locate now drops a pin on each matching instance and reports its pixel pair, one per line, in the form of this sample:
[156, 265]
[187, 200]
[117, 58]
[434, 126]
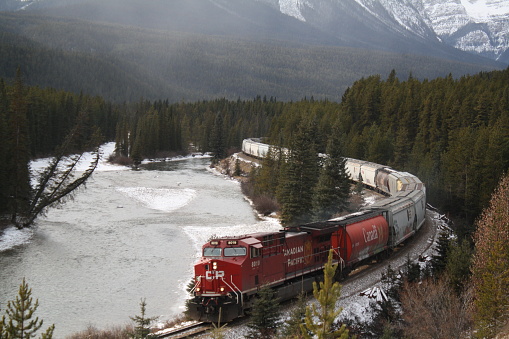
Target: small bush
[265, 204]
[91, 332]
[120, 160]
[247, 188]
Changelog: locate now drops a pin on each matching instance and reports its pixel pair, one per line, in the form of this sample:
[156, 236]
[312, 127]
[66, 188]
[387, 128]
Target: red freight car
[361, 239]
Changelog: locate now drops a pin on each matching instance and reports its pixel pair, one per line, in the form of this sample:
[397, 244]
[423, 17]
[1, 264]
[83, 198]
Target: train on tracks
[231, 270]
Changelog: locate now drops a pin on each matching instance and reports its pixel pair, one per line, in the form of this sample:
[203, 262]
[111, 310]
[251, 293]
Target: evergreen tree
[19, 323]
[298, 177]
[4, 184]
[18, 153]
[320, 319]
[439, 257]
[142, 322]
[333, 188]
[490, 267]
[57, 182]
[413, 270]
[264, 315]
[458, 264]
[291, 328]
[217, 139]
[267, 179]
[387, 313]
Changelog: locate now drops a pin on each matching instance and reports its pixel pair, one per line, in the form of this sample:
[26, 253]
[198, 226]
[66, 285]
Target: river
[128, 235]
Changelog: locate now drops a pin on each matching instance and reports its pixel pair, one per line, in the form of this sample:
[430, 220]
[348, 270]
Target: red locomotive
[233, 269]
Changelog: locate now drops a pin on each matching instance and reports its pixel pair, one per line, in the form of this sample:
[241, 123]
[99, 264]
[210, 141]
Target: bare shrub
[179, 319]
[265, 204]
[91, 332]
[120, 160]
[247, 188]
[433, 310]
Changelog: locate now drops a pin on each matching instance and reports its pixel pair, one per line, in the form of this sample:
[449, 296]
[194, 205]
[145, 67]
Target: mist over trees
[123, 63]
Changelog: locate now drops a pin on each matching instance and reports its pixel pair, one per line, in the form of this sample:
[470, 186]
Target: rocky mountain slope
[476, 26]
[200, 49]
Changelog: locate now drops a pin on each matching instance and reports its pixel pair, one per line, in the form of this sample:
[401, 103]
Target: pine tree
[319, 320]
[142, 328]
[57, 182]
[264, 315]
[413, 270]
[291, 328]
[333, 187]
[267, 179]
[217, 139]
[490, 267]
[439, 258]
[18, 153]
[19, 322]
[4, 184]
[298, 177]
[457, 268]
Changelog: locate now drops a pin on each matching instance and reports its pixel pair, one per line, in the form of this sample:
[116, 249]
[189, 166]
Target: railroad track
[185, 331]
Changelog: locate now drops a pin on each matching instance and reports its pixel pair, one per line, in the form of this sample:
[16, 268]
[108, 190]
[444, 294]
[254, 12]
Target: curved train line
[232, 270]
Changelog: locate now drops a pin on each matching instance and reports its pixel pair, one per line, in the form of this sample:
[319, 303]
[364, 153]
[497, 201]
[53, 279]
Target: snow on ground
[13, 237]
[480, 10]
[106, 150]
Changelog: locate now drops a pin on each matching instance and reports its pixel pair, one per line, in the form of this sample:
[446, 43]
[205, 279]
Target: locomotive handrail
[196, 284]
[238, 289]
[233, 290]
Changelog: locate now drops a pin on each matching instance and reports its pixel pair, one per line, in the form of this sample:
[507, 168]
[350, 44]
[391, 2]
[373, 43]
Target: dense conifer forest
[452, 133]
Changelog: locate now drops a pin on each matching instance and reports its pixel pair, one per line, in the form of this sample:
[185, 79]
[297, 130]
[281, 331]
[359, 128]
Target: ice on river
[127, 235]
[162, 199]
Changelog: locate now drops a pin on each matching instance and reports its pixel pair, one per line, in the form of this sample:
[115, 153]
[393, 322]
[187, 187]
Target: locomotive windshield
[212, 252]
[235, 251]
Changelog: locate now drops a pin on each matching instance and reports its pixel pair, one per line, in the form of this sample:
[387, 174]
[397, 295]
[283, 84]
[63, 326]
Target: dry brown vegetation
[117, 332]
[434, 310]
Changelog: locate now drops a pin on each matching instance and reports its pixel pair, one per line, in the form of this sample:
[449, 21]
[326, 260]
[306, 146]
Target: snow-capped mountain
[430, 27]
[477, 26]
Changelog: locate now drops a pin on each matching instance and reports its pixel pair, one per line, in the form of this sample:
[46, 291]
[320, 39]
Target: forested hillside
[126, 63]
[452, 134]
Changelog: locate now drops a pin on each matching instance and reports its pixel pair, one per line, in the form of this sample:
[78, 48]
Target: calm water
[128, 235]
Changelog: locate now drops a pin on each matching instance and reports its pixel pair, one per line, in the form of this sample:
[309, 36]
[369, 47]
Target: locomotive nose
[210, 279]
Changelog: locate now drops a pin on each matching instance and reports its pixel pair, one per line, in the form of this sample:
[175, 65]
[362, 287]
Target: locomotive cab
[215, 272]
[217, 282]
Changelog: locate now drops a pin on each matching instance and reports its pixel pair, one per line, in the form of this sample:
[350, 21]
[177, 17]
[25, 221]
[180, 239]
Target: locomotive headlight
[214, 265]
[198, 289]
[221, 289]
